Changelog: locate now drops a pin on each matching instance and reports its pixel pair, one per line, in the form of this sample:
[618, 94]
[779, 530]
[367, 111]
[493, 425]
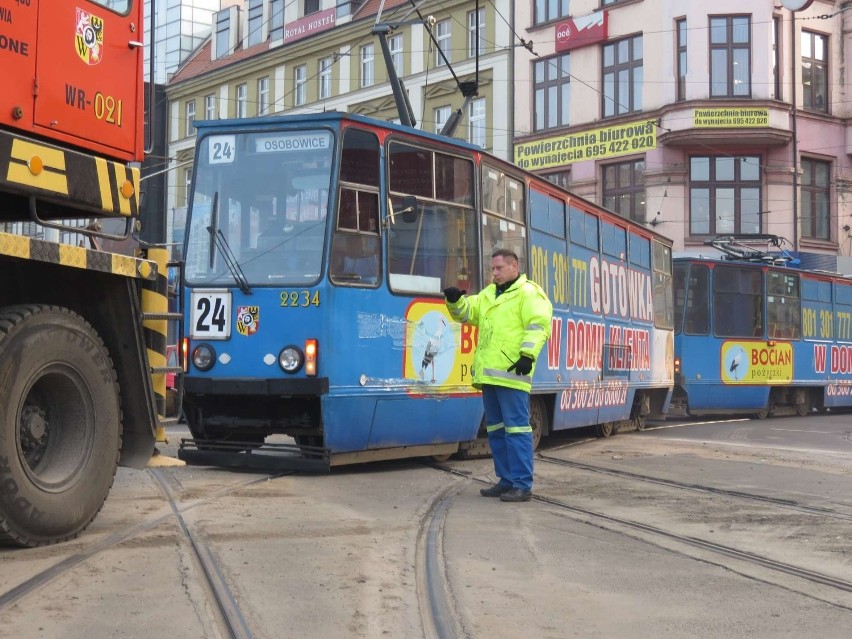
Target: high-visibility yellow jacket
[515, 323]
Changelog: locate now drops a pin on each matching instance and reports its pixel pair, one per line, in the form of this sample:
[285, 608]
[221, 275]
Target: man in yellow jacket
[513, 315]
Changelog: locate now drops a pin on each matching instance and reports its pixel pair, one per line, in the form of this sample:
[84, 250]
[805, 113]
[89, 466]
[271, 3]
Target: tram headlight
[290, 359]
[203, 357]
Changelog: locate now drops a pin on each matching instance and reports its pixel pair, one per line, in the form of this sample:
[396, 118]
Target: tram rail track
[787, 504]
[66, 565]
[621, 523]
[231, 617]
[437, 608]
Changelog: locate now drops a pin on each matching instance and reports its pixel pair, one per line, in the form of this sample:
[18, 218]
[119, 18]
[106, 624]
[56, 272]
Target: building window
[624, 189]
[276, 19]
[442, 114]
[242, 100]
[187, 185]
[223, 33]
[210, 107]
[622, 76]
[724, 195]
[561, 179]
[263, 96]
[395, 45]
[442, 37]
[547, 10]
[476, 122]
[300, 77]
[190, 117]
[681, 59]
[815, 71]
[367, 71]
[776, 58]
[552, 91]
[311, 6]
[255, 22]
[815, 203]
[325, 77]
[475, 32]
[730, 56]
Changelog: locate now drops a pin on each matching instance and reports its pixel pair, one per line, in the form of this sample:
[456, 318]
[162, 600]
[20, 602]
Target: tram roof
[329, 118]
[334, 118]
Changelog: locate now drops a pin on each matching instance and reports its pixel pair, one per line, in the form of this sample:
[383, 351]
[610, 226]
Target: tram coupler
[250, 456]
[476, 449]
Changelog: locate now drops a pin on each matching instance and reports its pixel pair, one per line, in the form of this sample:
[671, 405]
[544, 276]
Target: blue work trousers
[507, 417]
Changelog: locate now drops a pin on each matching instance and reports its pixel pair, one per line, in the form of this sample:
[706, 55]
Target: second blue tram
[760, 339]
[316, 251]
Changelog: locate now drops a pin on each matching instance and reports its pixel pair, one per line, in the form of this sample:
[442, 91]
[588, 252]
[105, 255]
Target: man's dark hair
[504, 252]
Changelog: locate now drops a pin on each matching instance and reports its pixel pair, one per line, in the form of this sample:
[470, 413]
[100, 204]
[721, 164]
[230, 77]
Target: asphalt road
[724, 529]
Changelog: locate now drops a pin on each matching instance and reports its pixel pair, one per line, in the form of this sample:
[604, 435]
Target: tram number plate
[210, 314]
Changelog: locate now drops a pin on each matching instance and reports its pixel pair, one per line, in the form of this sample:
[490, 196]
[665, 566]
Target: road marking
[795, 430]
[764, 445]
[719, 421]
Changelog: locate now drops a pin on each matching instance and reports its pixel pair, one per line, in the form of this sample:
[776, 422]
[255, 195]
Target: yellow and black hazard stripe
[84, 182]
[29, 248]
[155, 328]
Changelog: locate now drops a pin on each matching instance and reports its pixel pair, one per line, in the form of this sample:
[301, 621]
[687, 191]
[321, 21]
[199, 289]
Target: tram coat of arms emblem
[89, 37]
[248, 319]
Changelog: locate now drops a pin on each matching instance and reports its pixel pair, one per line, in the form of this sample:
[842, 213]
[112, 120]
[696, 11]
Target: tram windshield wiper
[218, 238]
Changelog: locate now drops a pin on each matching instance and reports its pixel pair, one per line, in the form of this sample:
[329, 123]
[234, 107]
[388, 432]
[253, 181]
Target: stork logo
[580, 32]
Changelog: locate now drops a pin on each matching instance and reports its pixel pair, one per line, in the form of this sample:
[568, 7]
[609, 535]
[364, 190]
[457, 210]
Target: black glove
[453, 294]
[523, 366]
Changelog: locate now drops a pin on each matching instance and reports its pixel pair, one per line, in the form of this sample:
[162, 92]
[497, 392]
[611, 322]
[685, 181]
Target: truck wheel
[60, 424]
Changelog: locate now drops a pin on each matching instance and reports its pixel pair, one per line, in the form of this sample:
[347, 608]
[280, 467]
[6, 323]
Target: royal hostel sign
[574, 33]
[309, 25]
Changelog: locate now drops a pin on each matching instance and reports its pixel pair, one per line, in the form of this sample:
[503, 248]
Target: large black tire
[60, 424]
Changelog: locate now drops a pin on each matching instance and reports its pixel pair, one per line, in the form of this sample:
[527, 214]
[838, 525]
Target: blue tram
[316, 250]
[755, 336]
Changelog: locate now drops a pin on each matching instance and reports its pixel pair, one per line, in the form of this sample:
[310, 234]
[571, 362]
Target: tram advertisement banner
[438, 351]
[756, 362]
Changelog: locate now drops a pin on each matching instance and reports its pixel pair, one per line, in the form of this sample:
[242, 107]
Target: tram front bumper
[305, 386]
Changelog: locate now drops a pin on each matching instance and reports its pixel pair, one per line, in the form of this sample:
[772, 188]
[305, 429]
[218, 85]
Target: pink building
[699, 118]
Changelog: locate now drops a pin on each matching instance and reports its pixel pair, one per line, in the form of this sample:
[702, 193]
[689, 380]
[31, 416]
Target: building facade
[697, 118]
[270, 57]
[180, 27]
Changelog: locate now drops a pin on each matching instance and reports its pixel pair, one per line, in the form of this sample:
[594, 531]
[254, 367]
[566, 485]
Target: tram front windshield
[259, 208]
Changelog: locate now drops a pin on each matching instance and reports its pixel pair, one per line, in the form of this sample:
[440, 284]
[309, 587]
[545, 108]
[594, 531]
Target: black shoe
[516, 494]
[494, 491]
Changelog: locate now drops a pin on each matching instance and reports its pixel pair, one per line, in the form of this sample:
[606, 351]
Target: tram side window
[583, 229]
[697, 310]
[679, 294]
[843, 311]
[356, 245]
[433, 245]
[640, 251]
[502, 194]
[613, 240]
[547, 214]
[783, 306]
[504, 210]
[661, 261]
[737, 302]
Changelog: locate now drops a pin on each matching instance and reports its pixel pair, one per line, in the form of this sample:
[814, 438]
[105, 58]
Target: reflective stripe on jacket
[515, 323]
